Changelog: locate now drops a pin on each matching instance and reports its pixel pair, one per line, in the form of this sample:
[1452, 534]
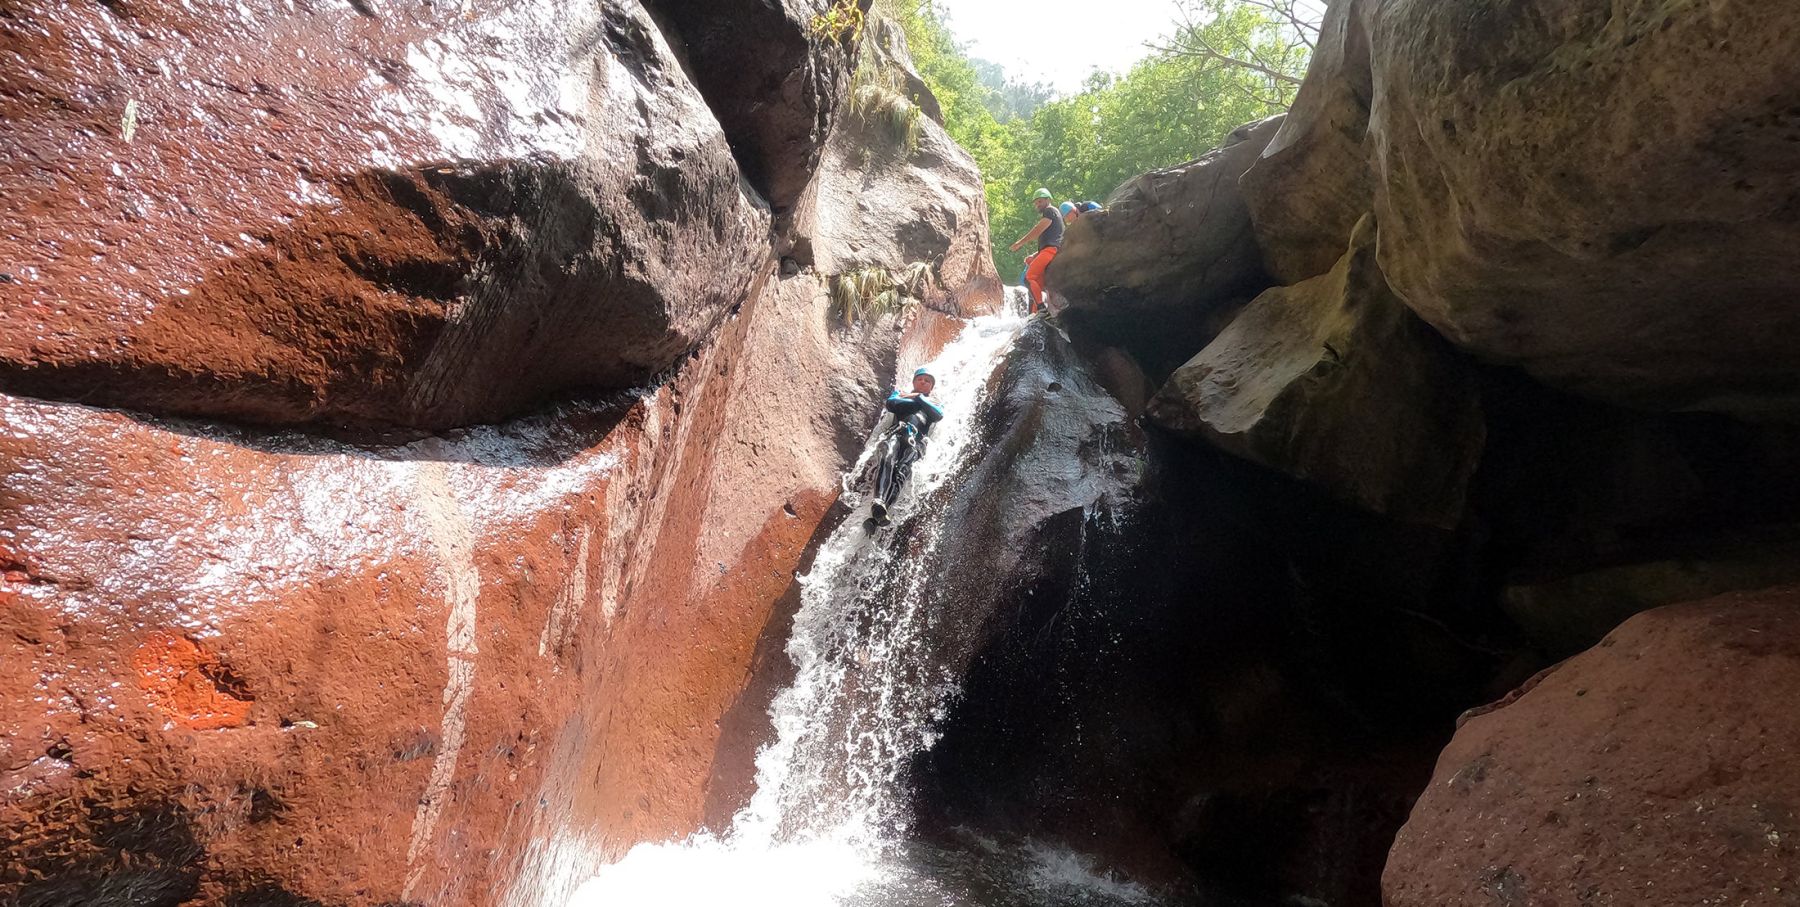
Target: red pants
[1034, 275]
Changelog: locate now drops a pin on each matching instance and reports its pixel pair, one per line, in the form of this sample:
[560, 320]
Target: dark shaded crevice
[143, 856]
[269, 895]
[772, 85]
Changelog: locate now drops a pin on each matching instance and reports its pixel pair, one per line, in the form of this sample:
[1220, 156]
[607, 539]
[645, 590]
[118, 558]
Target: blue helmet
[1066, 207]
[923, 372]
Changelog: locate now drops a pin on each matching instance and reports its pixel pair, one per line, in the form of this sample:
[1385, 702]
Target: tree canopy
[1225, 63]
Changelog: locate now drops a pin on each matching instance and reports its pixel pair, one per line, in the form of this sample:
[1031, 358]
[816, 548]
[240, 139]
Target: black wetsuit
[914, 417]
[1052, 236]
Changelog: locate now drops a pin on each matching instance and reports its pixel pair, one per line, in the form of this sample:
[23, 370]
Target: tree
[1171, 107]
[1008, 99]
[1279, 40]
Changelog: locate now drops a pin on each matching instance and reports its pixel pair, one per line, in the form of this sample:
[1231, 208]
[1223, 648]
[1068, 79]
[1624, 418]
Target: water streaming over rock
[829, 822]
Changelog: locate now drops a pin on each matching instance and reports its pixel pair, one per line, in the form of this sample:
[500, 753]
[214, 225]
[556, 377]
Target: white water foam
[829, 809]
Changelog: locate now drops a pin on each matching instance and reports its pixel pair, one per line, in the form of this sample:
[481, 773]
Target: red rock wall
[256, 666]
[376, 674]
[1657, 768]
[362, 213]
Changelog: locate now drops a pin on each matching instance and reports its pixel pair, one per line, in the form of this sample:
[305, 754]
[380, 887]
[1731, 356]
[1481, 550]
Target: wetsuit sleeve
[932, 411]
[898, 405]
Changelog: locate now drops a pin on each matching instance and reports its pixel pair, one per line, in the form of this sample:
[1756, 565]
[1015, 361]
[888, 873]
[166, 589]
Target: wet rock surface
[1652, 769]
[460, 669]
[1186, 665]
[366, 218]
[259, 661]
[1334, 381]
[1210, 701]
[263, 666]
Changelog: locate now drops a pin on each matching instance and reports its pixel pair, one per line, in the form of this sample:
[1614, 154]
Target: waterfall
[828, 823]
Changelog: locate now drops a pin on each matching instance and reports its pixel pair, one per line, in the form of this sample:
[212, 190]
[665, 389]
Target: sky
[1059, 41]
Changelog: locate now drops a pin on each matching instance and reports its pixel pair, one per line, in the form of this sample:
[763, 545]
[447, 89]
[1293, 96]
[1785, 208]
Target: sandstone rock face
[1171, 248]
[1656, 768]
[257, 666]
[773, 84]
[368, 214]
[879, 203]
[1335, 382]
[1602, 193]
[242, 664]
[1313, 181]
[454, 671]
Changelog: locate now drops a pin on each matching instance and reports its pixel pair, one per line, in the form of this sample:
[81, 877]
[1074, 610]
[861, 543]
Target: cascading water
[828, 823]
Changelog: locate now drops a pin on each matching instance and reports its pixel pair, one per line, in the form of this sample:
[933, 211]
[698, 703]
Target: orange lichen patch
[188, 685]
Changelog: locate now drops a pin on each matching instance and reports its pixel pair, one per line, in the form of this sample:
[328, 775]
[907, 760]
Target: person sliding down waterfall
[914, 414]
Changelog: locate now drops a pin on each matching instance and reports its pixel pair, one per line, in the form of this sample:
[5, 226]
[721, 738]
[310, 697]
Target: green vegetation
[878, 97]
[1227, 63]
[843, 21]
[871, 292]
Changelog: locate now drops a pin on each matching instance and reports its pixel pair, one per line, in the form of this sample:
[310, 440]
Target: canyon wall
[1481, 350]
[414, 419]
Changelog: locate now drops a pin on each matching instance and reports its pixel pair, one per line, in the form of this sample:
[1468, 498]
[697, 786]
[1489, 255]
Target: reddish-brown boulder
[426, 673]
[256, 667]
[1654, 769]
[361, 213]
[241, 663]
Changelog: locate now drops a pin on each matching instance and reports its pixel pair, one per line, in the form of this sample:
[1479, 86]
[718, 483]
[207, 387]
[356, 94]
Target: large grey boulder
[1604, 193]
[1333, 381]
[1172, 248]
[1313, 182]
[881, 201]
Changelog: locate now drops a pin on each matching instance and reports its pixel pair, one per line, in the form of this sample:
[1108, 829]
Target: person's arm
[1037, 231]
[932, 411]
[898, 405]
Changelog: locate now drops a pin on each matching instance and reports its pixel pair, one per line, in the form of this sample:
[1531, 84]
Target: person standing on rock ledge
[1049, 234]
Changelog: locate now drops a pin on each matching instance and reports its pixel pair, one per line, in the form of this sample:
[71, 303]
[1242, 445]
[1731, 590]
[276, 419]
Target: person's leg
[903, 462]
[886, 480]
[1034, 275]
